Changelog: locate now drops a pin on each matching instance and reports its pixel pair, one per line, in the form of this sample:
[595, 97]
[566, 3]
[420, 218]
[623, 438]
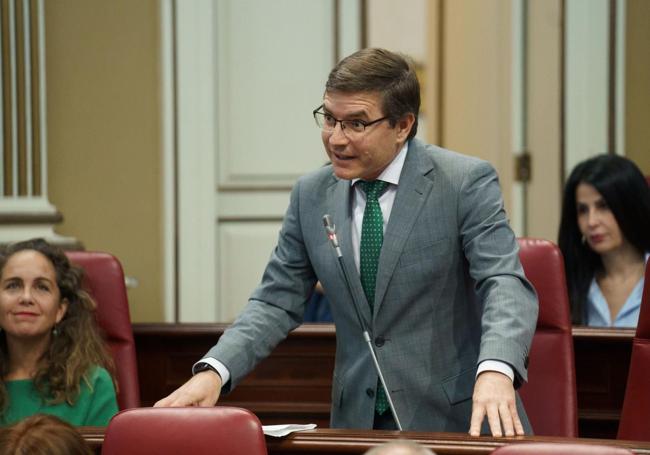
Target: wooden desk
[602, 358]
[334, 442]
[294, 383]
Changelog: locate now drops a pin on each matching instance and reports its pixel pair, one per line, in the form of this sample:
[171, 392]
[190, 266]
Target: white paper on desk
[282, 430]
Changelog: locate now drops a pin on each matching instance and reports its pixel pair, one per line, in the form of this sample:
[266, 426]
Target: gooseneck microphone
[330, 229]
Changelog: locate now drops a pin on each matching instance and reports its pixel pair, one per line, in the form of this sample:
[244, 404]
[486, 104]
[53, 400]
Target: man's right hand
[203, 389]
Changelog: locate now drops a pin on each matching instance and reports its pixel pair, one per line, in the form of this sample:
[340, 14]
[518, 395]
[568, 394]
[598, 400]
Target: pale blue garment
[598, 312]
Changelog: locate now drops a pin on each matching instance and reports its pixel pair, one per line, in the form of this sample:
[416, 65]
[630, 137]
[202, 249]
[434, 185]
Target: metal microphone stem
[331, 233]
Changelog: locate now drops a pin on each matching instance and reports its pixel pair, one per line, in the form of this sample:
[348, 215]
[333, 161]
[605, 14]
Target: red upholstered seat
[550, 448]
[635, 415]
[104, 280]
[549, 396]
[217, 430]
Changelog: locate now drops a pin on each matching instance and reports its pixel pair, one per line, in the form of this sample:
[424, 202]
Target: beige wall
[543, 120]
[103, 87]
[476, 111]
[637, 83]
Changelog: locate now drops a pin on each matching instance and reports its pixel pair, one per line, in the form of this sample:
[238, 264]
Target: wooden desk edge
[313, 329]
[217, 328]
[582, 332]
[350, 441]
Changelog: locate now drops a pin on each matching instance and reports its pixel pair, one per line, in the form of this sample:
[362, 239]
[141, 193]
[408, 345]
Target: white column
[25, 210]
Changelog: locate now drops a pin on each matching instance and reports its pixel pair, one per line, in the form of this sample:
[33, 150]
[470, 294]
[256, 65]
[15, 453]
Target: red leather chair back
[549, 396]
[635, 415]
[104, 280]
[216, 430]
[550, 448]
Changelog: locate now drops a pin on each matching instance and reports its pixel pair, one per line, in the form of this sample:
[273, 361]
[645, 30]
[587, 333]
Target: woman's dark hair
[390, 74]
[626, 192]
[77, 347]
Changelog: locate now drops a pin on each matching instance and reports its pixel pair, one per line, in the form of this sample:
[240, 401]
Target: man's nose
[338, 135]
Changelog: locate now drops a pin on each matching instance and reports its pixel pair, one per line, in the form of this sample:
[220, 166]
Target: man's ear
[404, 126]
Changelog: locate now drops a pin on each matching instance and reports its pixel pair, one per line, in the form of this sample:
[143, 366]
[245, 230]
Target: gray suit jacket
[450, 292]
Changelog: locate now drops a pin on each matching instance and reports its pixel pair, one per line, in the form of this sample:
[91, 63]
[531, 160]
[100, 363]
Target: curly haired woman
[52, 358]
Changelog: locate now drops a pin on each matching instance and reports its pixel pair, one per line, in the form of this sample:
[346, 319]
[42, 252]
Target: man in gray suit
[439, 283]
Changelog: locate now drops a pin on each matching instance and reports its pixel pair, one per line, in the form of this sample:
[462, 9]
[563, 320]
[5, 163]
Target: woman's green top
[94, 406]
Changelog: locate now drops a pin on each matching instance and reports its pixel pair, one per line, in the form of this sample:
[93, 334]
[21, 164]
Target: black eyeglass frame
[365, 124]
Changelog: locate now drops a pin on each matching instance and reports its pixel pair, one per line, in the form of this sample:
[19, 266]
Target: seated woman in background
[43, 434]
[52, 358]
[605, 238]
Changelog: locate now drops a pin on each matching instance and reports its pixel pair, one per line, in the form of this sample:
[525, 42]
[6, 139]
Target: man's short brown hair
[390, 74]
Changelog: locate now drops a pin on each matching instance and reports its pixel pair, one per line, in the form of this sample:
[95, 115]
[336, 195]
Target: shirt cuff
[220, 367]
[495, 365]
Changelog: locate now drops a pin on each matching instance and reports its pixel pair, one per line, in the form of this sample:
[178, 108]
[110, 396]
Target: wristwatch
[203, 367]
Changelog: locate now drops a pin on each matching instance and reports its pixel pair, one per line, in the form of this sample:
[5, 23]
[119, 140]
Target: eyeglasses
[351, 128]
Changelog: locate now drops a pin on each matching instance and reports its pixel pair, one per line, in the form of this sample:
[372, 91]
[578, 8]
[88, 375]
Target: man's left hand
[494, 397]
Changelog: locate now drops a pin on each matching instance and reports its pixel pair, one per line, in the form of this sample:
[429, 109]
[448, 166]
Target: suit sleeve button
[370, 393]
[379, 342]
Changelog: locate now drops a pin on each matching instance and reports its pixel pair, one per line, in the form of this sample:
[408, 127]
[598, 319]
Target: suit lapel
[412, 192]
[340, 204]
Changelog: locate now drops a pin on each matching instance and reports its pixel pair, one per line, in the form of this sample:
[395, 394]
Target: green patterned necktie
[372, 237]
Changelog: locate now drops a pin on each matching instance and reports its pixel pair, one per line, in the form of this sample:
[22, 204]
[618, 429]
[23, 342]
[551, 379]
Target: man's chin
[345, 174]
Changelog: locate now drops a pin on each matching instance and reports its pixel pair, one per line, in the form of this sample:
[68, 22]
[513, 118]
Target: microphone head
[329, 226]
[330, 229]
